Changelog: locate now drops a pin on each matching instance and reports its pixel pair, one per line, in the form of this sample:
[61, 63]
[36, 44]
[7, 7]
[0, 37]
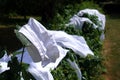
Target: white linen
[78, 21]
[50, 46]
[76, 68]
[4, 63]
[95, 12]
[74, 42]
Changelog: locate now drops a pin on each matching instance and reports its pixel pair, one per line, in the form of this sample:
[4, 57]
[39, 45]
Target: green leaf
[16, 53]
[27, 76]
[25, 66]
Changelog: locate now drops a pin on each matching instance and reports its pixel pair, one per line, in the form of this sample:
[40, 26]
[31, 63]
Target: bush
[91, 66]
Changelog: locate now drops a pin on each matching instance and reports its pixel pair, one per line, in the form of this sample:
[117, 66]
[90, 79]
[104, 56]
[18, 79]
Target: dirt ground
[111, 50]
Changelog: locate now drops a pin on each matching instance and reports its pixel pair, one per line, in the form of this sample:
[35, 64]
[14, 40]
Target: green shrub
[91, 66]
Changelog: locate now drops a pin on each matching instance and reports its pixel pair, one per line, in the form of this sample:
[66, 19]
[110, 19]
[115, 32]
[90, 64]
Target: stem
[22, 54]
[20, 74]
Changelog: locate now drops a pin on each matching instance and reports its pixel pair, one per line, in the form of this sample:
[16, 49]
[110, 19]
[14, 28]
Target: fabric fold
[42, 42]
[49, 47]
[4, 63]
[95, 12]
[74, 42]
[78, 20]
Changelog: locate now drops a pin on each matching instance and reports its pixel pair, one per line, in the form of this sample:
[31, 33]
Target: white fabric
[52, 52]
[3, 66]
[4, 63]
[44, 46]
[100, 16]
[39, 72]
[74, 42]
[48, 48]
[50, 66]
[50, 40]
[36, 68]
[77, 20]
[26, 56]
[76, 68]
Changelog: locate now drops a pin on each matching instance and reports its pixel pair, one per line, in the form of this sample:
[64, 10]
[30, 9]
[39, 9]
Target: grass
[112, 48]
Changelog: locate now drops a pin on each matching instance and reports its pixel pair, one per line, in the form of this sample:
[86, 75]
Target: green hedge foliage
[91, 66]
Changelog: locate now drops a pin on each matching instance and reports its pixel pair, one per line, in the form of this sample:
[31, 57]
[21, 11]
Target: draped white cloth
[49, 47]
[101, 17]
[47, 44]
[3, 63]
[78, 20]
